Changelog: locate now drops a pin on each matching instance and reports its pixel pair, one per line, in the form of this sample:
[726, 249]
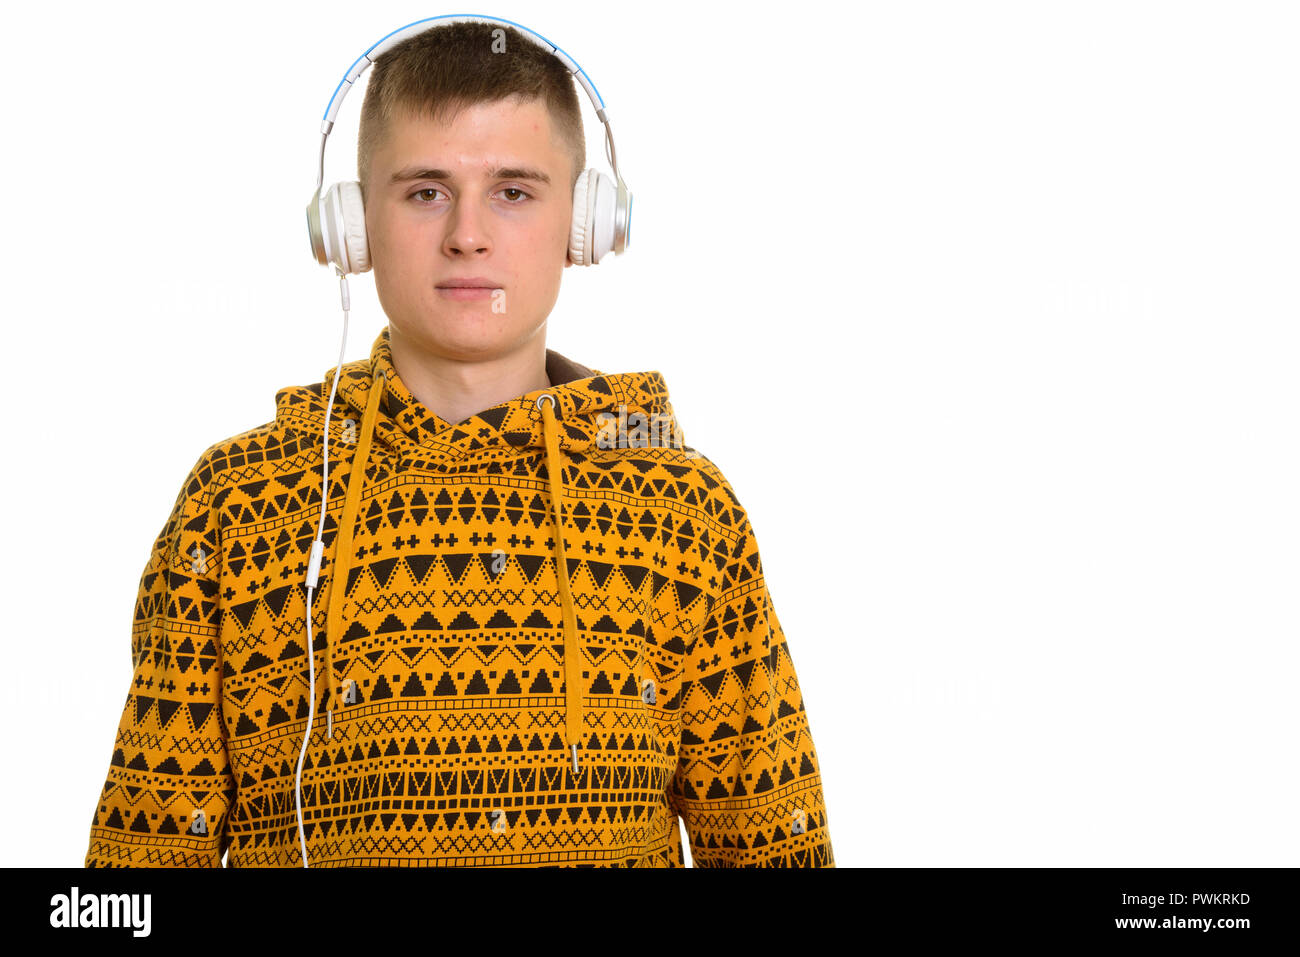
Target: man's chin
[468, 336]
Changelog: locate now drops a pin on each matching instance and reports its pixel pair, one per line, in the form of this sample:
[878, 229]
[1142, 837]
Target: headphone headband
[401, 34]
[367, 59]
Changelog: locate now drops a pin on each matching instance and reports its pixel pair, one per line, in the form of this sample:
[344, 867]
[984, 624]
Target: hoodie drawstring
[573, 692]
[343, 561]
[343, 544]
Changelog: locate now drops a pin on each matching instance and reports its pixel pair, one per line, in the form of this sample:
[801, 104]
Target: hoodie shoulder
[299, 410]
[241, 454]
[710, 491]
[228, 453]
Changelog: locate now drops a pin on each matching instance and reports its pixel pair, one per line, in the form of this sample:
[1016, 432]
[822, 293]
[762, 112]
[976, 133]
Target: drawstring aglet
[574, 748]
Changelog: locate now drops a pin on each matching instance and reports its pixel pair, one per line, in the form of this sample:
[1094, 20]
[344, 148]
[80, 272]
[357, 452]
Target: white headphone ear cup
[578, 225]
[341, 224]
[591, 235]
[354, 226]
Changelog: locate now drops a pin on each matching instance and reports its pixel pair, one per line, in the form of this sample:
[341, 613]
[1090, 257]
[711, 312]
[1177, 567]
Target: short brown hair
[439, 72]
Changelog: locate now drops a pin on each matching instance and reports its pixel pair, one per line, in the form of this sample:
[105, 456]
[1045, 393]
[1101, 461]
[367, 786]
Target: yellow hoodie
[486, 692]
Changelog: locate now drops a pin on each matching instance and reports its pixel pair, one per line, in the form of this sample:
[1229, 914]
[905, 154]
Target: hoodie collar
[406, 425]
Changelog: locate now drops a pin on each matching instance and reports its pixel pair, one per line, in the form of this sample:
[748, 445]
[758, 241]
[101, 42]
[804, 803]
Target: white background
[987, 311]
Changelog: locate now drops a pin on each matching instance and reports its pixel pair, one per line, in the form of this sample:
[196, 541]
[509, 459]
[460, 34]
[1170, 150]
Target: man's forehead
[418, 146]
[514, 115]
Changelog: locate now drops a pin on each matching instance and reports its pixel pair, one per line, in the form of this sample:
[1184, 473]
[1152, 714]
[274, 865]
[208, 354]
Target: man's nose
[467, 229]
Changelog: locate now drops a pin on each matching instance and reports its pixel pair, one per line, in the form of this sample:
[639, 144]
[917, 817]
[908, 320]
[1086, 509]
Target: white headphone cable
[313, 566]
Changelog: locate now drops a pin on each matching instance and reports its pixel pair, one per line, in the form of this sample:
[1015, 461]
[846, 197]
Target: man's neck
[455, 390]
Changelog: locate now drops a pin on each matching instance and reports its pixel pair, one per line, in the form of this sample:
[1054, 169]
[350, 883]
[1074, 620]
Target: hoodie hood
[377, 428]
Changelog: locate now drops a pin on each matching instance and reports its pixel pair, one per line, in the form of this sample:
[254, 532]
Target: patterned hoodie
[481, 690]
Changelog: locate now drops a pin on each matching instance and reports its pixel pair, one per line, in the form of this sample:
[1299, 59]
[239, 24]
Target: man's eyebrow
[501, 172]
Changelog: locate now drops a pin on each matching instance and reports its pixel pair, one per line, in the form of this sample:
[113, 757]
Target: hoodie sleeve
[747, 783]
[169, 788]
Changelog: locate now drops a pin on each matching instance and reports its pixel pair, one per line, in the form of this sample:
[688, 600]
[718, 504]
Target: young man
[495, 689]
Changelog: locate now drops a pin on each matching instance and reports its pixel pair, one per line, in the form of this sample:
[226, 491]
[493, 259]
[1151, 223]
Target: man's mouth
[471, 282]
[473, 287]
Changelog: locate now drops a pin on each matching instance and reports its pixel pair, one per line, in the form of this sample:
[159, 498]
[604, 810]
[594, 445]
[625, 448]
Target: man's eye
[522, 196]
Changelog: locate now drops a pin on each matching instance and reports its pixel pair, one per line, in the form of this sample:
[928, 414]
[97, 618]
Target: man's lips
[473, 282]
[474, 287]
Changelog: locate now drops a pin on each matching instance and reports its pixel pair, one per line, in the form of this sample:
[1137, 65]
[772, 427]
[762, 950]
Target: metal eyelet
[546, 395]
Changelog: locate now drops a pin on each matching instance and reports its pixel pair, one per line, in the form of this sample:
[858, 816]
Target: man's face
[452, 214]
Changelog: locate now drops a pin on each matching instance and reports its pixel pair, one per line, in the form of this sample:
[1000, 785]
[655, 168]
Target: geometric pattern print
[450, 749]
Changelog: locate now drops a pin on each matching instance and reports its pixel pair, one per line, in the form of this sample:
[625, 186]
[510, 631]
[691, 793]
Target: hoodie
[538, 637]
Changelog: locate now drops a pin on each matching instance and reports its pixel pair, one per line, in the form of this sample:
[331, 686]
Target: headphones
[602, 208]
